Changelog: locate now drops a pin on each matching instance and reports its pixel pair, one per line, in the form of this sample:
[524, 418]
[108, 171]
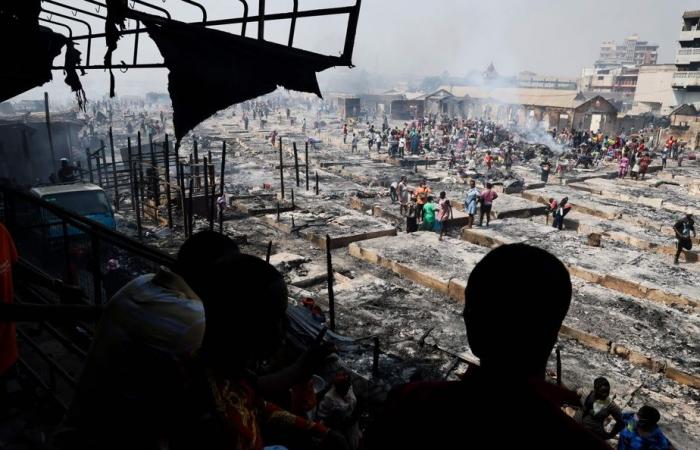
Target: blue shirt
[630, 440]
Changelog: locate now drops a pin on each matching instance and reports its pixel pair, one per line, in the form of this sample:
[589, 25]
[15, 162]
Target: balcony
[688, 56]
[686, 80]
[689, 35]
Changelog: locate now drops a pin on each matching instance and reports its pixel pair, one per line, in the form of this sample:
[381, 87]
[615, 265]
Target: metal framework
[96, 9]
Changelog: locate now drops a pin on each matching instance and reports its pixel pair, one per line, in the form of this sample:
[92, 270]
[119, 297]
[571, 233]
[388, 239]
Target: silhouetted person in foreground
[128, 388]
[245, 308]
[505, 403]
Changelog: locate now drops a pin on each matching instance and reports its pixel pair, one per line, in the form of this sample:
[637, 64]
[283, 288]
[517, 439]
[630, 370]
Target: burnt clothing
[464, 414]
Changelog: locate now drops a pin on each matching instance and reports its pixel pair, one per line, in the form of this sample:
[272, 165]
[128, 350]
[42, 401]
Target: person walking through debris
[471, 201]
[421, 198]
[623, 166]
[546, 168]
[683, 228]
[641, 431]
[560, 211]
[402, 146]
[513, 341]
[223, 406]
[411, 217]
[444, 214]
[353, 143]
[403, 196]
[644, 162]
[429, 209]
[664, 157]
[597, 407]
[486, 198]
[126, 392]
[345, 133]
[488, 160]
[393, 192]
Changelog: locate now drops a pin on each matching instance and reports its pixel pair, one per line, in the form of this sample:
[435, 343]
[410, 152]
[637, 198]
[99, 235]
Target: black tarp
[210, 70]
[27, 51]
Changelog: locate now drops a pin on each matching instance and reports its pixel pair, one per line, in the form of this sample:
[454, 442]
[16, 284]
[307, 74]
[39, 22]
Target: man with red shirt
[487, 197]
[8, 337]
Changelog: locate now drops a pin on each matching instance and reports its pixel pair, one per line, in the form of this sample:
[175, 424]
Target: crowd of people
[181, 361]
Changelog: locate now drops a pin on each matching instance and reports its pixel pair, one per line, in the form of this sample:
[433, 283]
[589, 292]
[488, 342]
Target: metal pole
[269, 252]
[292, 198]
[140, 155]
[329, 278]
[48, 130]
[114, 170]
[296, 161]
[306, 161]
[223, 168]
[168, 195]
[137, 205]
[206, 189]
[281, 170]
[155, 179]
[316, 183]
[131, 173]
[278, 211]
[196, 163]
[190, 214]
[99, 164]
[558, 366]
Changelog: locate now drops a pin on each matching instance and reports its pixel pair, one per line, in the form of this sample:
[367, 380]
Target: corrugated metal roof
[521, 96]
[692, 14]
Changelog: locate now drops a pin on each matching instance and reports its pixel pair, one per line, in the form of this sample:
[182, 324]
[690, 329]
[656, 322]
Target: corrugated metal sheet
[520, 96]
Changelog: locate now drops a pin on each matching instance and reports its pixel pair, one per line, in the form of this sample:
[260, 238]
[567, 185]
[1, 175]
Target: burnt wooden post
[222, 185]
[114, 170]
[140, 162]
[292, 198]
[155, 179]
[137, 206]
[99, 164]
[296, 161]
[316, 183]
[190, 214]
[210, 172]
[48, 130]
[198, 183]
[269, 252]
[306, 163]
[89, 163]
[278, 211]
[206, 189]
[168, 195]
[329, 279]
[281, 170]
[131, 172]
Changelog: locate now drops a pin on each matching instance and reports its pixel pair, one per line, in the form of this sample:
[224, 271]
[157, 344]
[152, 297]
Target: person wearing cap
[642, 431]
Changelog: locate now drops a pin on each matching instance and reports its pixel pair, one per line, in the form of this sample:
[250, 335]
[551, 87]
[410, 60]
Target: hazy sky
[399, 38]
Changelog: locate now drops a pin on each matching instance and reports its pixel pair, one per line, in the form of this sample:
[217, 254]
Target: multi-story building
[632, 52]
[687, 76]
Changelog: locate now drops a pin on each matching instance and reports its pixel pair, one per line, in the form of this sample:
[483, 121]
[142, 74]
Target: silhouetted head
[198, 253]
[515, 301]
[601, 388]
[430, 198]
[489, 185]
[342, 383]
[244, 304]
[647, 418]
[472, 183]
[443, 194]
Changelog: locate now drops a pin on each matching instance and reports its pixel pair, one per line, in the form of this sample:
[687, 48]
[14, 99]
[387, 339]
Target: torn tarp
[211, 70]
[27, 51]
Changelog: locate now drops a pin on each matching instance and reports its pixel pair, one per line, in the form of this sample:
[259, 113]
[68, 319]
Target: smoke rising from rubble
[538, 135]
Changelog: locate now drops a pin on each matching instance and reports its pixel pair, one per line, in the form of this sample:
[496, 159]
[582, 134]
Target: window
[83, 203]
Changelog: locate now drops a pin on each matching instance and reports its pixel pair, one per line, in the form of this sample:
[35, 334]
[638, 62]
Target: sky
[400, 39]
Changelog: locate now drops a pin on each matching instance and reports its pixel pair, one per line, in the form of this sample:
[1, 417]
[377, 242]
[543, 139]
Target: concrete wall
[655, 92]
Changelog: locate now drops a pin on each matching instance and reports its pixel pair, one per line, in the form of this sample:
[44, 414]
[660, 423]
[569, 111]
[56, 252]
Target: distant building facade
[631, 52]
